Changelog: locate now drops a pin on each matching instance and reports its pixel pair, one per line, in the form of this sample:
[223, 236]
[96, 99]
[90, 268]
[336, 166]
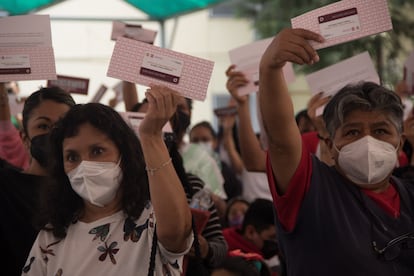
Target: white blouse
[114, 245]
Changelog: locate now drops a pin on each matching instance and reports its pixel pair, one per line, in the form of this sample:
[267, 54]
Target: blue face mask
[236, 221]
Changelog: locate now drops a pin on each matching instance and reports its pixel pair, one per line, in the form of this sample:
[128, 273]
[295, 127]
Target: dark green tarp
[156, 9]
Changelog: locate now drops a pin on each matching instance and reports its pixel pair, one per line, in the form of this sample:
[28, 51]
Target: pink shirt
[12, 148]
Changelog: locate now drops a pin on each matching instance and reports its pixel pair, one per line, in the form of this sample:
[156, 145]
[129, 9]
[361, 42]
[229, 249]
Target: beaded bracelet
[151, 171]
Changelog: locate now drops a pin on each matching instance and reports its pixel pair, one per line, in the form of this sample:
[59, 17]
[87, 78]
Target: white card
[134, 119]
[345, 21]
[26, 51]
[247, 60]
[331, 79]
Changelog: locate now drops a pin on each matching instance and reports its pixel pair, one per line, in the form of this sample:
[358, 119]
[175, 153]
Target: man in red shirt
[352, 218]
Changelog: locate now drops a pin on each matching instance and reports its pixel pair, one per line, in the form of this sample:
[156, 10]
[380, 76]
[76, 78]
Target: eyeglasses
[393, 248]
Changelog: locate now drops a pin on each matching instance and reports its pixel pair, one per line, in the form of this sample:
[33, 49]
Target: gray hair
[365, 96]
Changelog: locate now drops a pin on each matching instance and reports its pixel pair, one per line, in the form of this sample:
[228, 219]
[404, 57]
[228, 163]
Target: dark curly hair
[62, 204]
[365, 96]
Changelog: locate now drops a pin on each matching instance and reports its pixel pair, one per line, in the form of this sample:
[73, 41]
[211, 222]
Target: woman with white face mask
[352, 218]
[205, 136]
[116, 205]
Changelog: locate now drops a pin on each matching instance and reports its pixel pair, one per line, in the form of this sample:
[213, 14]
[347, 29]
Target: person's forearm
[167, 195]
[130, 95]
[235, 158]
[284, 139]
[253, 156]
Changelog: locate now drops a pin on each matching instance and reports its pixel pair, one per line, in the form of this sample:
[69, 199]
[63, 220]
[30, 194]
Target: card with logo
[345, 21]
[331, 79]
[26, 51]
[99, 94]
[146, 64]
[136, 32]
[225, 111]
[247, 60]
[74, 85]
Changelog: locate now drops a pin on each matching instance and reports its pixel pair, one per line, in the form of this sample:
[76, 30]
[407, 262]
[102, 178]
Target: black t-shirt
[19, 204]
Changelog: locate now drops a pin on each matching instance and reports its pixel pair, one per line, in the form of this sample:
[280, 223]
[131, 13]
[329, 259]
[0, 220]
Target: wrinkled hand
[291, 45]
[315, 102]
[235, 80]
[162, 104]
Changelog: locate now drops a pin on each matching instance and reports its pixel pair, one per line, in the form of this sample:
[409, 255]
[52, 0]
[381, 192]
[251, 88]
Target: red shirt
[287, 206]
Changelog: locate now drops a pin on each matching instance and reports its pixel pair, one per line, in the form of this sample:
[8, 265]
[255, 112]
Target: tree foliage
[270, 16]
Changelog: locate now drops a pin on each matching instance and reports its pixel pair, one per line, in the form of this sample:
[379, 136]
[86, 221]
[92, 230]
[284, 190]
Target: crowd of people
[82, 194]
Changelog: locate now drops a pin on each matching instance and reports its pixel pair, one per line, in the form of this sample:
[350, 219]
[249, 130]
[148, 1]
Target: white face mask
[96, 182]
[367, 160]
[207, 146]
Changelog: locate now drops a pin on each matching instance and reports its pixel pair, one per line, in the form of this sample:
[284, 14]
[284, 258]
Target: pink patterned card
[247, 60]
[71, 84]
[99, 94]
[26, 51]
[345, 20]
[132, 31]
[146, 64]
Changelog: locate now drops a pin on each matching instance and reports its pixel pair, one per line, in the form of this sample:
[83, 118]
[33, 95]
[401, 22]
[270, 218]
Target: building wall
[83, 48]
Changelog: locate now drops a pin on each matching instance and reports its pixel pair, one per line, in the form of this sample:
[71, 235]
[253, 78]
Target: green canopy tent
[157, 10]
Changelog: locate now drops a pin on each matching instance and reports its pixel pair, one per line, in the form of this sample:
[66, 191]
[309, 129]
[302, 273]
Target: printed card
[118, 91]
[71, 84]
[345, 21]
[146, 64]
[225, 111]
[247, 60]
[99, 94]
[332, 78]
[132, 31]
[26, 51]
[134, 119]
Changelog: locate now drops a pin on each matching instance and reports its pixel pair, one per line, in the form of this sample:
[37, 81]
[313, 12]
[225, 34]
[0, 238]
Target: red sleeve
[311, 141]
[288, 205]
[402, 159]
